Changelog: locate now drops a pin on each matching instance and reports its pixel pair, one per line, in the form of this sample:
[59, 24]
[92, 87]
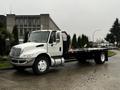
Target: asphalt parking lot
[73, 76]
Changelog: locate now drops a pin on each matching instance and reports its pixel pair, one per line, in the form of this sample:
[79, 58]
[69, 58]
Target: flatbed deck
[86, 53]
[87, 49]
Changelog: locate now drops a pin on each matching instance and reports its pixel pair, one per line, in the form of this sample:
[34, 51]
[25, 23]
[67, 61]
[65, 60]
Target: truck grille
[18, 61]
[15, 52]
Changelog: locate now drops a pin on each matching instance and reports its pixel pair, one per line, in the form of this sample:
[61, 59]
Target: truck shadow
[29, 72]
[72, 66]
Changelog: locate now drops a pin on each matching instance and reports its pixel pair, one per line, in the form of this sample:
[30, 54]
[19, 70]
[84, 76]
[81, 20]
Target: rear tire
[100, 58]
[41, 65]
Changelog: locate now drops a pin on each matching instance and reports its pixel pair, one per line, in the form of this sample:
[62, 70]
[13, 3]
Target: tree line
[80, 42]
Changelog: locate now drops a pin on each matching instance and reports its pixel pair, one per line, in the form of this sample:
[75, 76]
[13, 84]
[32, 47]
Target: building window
[25, 21]
[34, 25]
[21, 25]
[38, 25]
[25, 25]
[25, 30]
[38, 28]
[29, 29]
[34, 29]
[21, 32]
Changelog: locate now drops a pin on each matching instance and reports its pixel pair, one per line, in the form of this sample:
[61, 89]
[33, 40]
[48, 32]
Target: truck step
[70, 60]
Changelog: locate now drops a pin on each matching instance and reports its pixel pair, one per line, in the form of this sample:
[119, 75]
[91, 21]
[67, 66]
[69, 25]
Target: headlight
[27, 56]
[15, 52]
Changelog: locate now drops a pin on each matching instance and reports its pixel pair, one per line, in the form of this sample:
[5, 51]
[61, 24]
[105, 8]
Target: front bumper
[22, 61]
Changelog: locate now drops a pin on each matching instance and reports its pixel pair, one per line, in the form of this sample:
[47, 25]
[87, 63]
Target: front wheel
[100, 58]
[41, 65]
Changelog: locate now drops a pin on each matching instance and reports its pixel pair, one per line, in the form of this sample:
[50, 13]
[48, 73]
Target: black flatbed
[86, 53]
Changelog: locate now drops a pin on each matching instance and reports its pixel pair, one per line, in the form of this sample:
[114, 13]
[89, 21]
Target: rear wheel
[41, 65]
[100, 58]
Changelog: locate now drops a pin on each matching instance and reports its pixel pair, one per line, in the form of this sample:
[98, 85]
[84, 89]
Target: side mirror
[51, 40]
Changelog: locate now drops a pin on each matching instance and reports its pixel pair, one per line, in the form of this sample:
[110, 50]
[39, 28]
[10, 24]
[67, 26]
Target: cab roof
[44, 30]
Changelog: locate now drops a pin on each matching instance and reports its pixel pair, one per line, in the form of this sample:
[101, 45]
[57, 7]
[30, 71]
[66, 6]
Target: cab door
[55, 44]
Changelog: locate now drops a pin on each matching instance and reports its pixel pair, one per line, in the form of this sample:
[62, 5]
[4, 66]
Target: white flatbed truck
[48, 48]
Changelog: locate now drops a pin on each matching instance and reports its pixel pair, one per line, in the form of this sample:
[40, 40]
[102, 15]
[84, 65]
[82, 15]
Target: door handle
[59, 48]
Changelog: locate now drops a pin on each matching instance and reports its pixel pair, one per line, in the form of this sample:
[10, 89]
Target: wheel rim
[102, 57]
[42, 65]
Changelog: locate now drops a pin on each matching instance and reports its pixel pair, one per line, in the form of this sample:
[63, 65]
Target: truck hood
[29, 46]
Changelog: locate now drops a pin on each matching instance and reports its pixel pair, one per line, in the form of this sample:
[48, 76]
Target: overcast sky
[74, 16]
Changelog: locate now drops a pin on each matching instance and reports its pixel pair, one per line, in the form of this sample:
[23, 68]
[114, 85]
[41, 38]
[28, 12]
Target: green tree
[69, 41]
[84, 41]
[74, 42]
[114, 33]
[26, 36]
[3, 36]
[79, 43]
[110, 38]
[15, 39]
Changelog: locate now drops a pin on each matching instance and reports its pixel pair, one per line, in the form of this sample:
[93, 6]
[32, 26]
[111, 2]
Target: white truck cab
[43, 49]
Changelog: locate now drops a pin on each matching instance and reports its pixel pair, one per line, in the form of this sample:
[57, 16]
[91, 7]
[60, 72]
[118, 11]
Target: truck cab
[44, 49]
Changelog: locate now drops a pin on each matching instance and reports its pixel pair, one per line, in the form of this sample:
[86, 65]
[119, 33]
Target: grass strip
[111, 53]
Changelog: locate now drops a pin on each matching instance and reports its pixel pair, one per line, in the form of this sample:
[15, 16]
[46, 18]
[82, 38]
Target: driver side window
[52, 37]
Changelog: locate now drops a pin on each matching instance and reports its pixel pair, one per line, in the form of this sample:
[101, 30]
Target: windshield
[41, 37]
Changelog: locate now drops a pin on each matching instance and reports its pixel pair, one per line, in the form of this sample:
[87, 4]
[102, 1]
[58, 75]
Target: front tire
[41, 65]
[100, 58]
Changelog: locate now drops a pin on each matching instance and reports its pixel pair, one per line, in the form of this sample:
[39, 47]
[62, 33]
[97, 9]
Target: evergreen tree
[26, 36]
[74, 42]
[110, 38]
[114, 33]
[15, 36]
[69, 41]
[84, 40]
[3, 36]
[79, 43]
